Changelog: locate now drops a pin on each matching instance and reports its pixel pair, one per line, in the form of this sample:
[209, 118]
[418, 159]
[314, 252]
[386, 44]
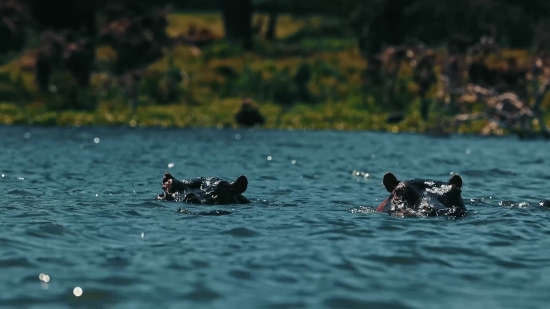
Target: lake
[79, 216]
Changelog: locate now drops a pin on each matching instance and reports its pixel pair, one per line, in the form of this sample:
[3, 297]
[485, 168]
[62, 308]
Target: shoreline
[233, 127]
[258, 129]
[213, 115]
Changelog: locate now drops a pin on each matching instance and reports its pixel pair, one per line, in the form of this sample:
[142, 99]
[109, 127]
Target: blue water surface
[78, 209]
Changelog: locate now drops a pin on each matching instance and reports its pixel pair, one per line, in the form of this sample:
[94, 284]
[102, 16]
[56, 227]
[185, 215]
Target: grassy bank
[218, 76]
[219, 114]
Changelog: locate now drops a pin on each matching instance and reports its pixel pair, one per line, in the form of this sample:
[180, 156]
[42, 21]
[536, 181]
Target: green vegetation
[331, 96]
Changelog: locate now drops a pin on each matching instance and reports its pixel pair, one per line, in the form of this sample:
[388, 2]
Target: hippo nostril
[167, 185]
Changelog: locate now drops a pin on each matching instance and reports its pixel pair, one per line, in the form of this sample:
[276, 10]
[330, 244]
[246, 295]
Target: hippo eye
[406, 194]
[223, 184]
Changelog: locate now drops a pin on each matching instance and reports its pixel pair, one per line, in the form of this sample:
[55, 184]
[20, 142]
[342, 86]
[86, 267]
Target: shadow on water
[216, 212]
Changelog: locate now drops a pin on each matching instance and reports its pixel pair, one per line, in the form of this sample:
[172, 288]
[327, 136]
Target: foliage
[307, 79]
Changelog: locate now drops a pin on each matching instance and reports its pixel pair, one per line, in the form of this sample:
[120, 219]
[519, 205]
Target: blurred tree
[237, 22]
[75, 15]
[13, 16]
[69, 28]
[137, 33]
[510, 21]
[273, 15]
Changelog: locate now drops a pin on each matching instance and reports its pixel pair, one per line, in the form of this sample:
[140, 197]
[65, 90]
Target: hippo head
[224, 192]
[423, 197]
[204, 190]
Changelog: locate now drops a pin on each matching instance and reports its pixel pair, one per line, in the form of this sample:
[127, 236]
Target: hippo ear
[166, 177]
[240, 184]
[456, 180]
[390, 181]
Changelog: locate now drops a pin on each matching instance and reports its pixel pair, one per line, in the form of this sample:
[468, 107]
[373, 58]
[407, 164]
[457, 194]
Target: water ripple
[242, 232]
[85, 214]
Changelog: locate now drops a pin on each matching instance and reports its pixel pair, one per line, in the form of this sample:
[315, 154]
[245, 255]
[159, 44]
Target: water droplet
[142, 234]
[44, 277]
[96, 140]
[468, 151]
[27, 135]
[20, 178]
[269, 158]
[77, 291]
[170, 165]
[3, 175]
[293, 161]
[238, 137]
[133, 123]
